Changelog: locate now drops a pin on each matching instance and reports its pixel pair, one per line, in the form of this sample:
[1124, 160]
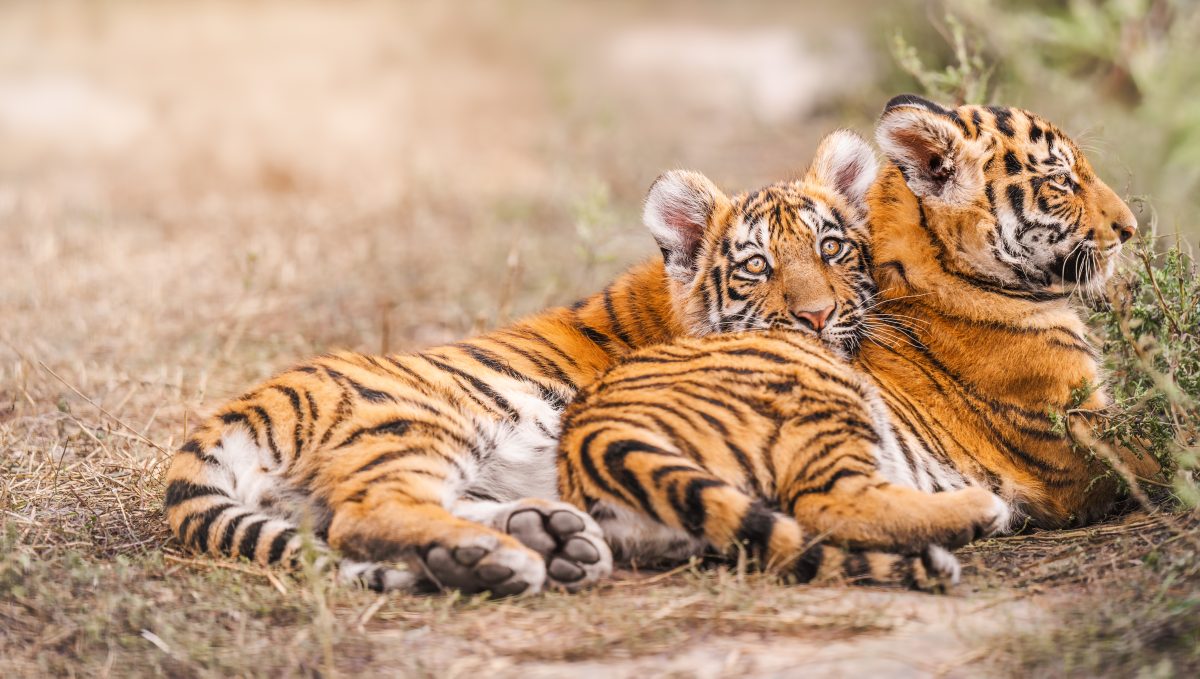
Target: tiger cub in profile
[444, 460]
[763, 438]
[983, 225]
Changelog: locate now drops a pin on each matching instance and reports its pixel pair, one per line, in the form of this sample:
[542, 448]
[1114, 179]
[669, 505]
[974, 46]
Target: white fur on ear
[931, 151]
[677, 212]
[845, 163]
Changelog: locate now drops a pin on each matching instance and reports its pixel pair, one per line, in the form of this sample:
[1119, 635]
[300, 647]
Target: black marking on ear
[1003, 120]
[1035, 132]
[913, 100]
[1011, 164]
[977, 120]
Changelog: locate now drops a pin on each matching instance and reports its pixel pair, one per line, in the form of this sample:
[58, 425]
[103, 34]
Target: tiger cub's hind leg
[389, 506]
[436, 547]
[626, 469]
[831, 484]
[571, 542]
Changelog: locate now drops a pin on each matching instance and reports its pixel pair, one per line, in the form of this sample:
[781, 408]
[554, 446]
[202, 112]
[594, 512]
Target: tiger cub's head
[1009, 199]
[792, 255]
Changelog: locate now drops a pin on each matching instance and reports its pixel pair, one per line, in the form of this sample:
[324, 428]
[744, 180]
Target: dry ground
[195, 195]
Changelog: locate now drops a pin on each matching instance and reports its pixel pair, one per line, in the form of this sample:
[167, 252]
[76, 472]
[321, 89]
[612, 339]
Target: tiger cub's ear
[934, 156]
[846, 164]
[679, 208]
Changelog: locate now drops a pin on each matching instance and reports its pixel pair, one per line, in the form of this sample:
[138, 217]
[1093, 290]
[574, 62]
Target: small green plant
[1152, 349]
[963, 82]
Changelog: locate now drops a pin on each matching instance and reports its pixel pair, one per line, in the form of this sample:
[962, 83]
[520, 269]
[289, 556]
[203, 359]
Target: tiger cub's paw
[376, 576]
[987, 515]
[485, 564]
[941, 567]
[570, 541]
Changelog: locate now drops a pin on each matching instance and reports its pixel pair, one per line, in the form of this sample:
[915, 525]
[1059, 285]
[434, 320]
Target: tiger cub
[765, 440]
[444, 460]
[983, 225]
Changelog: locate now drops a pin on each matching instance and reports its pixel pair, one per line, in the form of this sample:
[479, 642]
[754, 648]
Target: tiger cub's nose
[1124, 231]
[816, 319]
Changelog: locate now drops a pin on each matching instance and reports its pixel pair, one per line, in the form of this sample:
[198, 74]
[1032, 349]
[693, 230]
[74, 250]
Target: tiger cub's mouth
[1084, 268]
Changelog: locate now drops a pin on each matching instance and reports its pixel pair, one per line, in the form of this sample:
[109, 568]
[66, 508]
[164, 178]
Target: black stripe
[615, 322]
[479, 385]
[372, 395]
[755, 530]
[493, 362]
[383, 458]
[193, 447]
[298, 411]
[181, 491]
[231, 527]
[692, 512]
[389, 428]
[614, 460]
[206, 518]
[809, 564]
[279, 544]
[269, 426]
[249, 542]
[858, 568]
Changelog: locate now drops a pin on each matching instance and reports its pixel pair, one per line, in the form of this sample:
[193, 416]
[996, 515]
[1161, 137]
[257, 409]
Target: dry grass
[194, 196]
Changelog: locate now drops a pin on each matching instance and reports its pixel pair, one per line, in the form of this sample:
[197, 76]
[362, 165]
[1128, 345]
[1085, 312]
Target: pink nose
[815, 319]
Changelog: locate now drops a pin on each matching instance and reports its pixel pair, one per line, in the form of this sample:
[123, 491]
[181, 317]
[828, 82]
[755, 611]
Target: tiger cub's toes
[485, 564]
[569, 540]
[941, 568]
[988, 516]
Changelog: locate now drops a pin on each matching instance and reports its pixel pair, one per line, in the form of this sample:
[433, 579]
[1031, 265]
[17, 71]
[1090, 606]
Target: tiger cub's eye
[832, 247]
[756, 264]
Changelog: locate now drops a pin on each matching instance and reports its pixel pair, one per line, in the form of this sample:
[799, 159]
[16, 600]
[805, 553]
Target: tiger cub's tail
[224, 498]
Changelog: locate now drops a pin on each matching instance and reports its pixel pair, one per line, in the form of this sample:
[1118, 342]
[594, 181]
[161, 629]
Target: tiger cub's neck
[1022, 348]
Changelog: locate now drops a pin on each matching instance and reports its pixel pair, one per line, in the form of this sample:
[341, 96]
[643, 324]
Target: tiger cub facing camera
[444, 461]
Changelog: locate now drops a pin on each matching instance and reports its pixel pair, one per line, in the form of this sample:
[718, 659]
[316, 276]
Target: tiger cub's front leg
[397, 515]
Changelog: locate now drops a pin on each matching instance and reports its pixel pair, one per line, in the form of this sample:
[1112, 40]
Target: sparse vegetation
[237, 186]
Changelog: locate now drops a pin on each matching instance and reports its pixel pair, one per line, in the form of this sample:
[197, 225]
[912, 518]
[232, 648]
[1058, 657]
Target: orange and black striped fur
[444, 461]
[987, 223]
[983, 225]
[766, 440]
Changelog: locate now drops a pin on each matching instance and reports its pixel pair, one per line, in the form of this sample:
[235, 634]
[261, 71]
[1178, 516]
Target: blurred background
[195, 194]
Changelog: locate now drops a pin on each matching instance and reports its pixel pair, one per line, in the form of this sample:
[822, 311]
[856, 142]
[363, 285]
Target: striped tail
[782, 546]
[220, 496]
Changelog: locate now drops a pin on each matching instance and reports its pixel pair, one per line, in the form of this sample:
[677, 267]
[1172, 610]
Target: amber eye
[832, 247]
[756, 264]
[1062, 182]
